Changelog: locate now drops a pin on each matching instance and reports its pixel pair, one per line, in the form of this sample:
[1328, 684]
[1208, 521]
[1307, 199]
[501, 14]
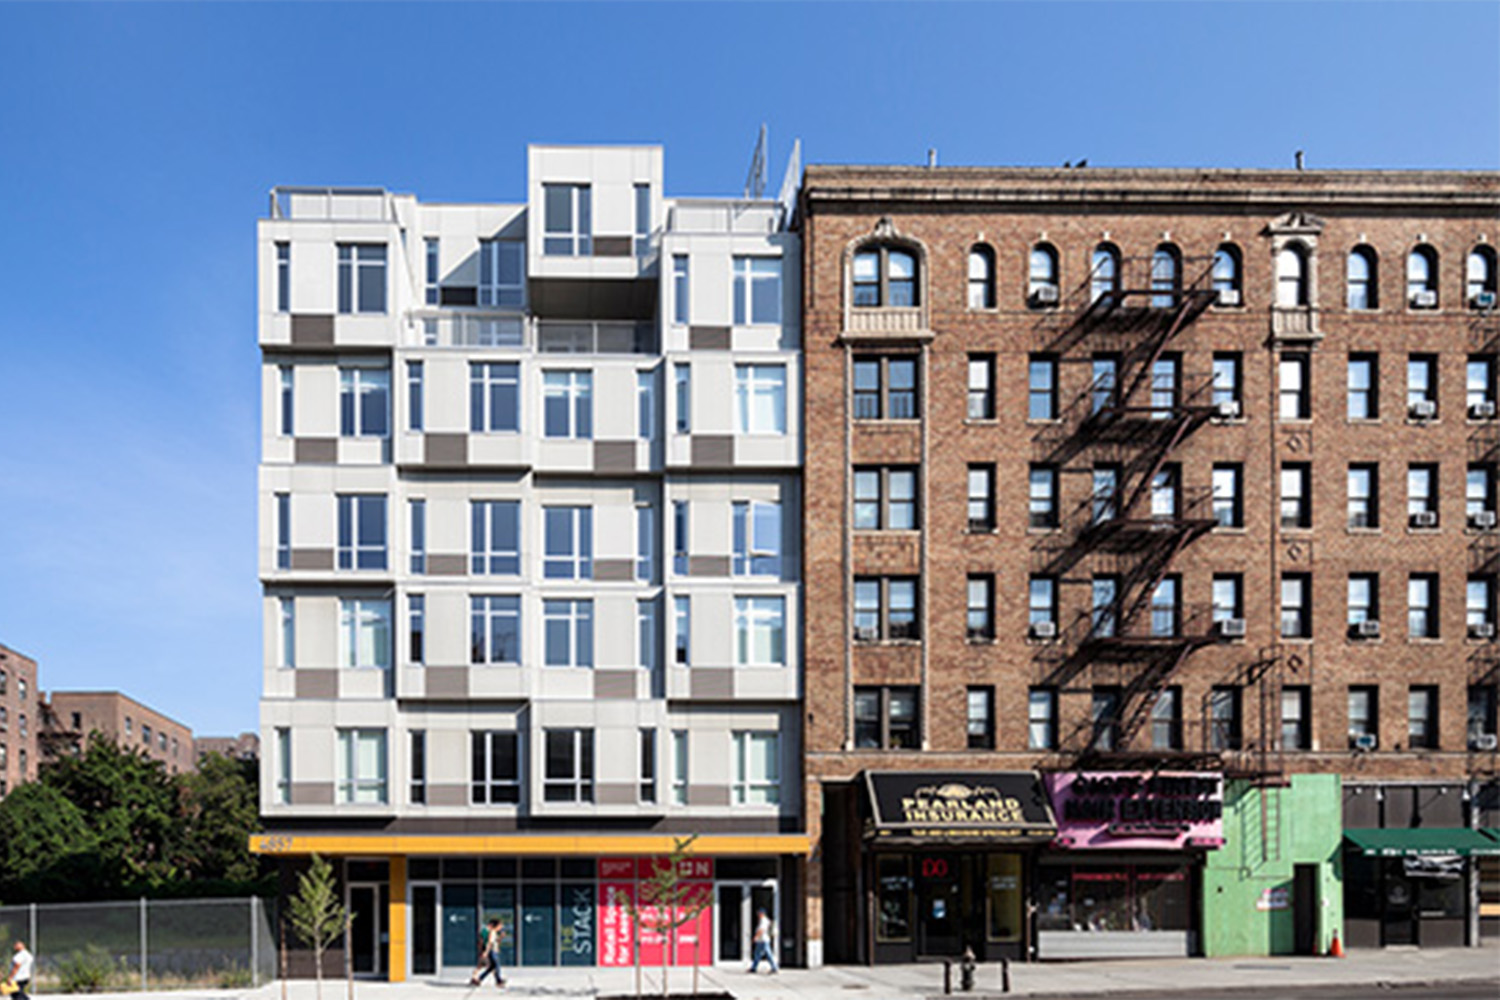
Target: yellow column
[395, 923]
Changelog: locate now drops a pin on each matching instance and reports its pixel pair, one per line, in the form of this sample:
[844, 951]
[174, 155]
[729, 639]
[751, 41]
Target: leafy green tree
[315, 913]
[221, 808]
[47, 850]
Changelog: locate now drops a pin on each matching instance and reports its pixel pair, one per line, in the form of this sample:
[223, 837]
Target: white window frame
[680, 767]
[760, 399]
[568, 553]
[573, 236]
[648, 634]
[645, 542]
[751, 276]
[486, 558]
[485, 612]
[432, 270]
[499, 260]
[760, 631]
[283, 530]
[757, 538]
[286, 632]
[356, 261]
[359, 514]
[356, 785]
[681, 289]
[488, 785]
[645, 405]
[286, 418]
[571, 622]
[416, 629]
[1421, 596]
[487, 380]
[1041, 718]
[283, 792]
[283, 276]
[416, 522]
[356, 419]
[682, 630]
[749, 787]
[575, 389]
[681, 537]
[682, 394]
[577, 786]
[365, 633]
[415, 397]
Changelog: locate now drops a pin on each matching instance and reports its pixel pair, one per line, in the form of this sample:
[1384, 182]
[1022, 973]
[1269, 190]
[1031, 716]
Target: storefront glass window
[1441, 890]
[1004, 888]
[1161, 899]
[1114, 898]
[1101, 899]
[893, 920]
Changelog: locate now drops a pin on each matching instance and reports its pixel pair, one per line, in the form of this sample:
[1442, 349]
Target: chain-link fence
[153, 944]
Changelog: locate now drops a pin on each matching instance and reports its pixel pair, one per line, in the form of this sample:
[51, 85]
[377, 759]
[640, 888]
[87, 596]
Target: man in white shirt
[20, 970]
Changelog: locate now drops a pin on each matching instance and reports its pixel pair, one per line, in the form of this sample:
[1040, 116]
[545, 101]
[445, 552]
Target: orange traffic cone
[1336, 949]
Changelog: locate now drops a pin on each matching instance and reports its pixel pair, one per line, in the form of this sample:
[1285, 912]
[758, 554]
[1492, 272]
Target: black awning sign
[990, 806]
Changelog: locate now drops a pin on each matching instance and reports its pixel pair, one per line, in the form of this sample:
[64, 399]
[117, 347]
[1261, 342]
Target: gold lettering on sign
[958, 803]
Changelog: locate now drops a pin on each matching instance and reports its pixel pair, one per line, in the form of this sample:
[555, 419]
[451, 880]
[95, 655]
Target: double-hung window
[1479, 496]
[364, 402]
[1479, 388]
[885, 388]
[760, 399]
[981, 278]
[1041, 395]
[1364, 716]
[885, 276]
[1166, 720]
[1296, 495]
[757, 538]
[757, 768]
[1364, 400]
[980, 626]
[1165, 376]
[1421, 387]
[1166, 492]
[362, 531]
[1228, 505]
[1166, 610]
[1042, 499]
[1421, 606]
[1296, 606]
[495, 768]
[1364, 601]
[885, 608]
[1224, 718]
[757, 290]
[1104, 383]
[1481, 715]
[568, 765]
[981, 718]
[1421, 717]
[1296, 717]
[885, 718]
[1104, 610]
[760, 631]
[1104, 714]
[1041, 718]
[1104, 502]
[1364, 495]
[568, 539]
[494, 396]
[1041, 277]
[1294, 401]
[495, 629]
[1041, 602]
[1479, 606]
[1422, 278]
[361, 766]
[502, 274]
[567, 220]
[1421, 495]
[1225, 389]
[496, 537]
[981, 497]
[365, 632]
[1359, 279]
[885, 498]
[981, 387]
[568, 404]
[568, 631]
[361, 277]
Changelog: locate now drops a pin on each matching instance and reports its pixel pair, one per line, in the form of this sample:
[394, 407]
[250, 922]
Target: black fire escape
[1481, 517]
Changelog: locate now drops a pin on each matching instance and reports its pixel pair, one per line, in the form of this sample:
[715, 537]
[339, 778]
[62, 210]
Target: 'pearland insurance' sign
[1135, 810]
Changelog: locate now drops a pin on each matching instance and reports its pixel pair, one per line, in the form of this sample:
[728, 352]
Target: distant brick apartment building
[245, 746]
[18, 719]
[1140, 498]
[72, 715]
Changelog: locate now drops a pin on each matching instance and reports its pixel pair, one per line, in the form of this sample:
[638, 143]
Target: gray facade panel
[320, 451]
[446, 449]
[614, 456]
[447, 682]
[447, 795]
[708, 338]
[713, 450]
[614, 570]
[710, 683]
[614, 683]
[616, 795]
[708, 565]
[444, 564]
[312, 330]
[312, 793]
[708, 795]
[312, 559]
[317, 684]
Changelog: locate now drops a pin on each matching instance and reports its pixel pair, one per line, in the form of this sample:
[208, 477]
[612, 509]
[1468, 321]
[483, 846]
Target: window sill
[1424, 531]
[1297, 640]
[1363, 421]
[981, 421]
[1044, 420]
[973, 641]
[1425, 640]
[877, 644]
[981, 531]
[1054, 529]
[1229, 421]
[1230, 529]
[1352, 530]
[1430, 422]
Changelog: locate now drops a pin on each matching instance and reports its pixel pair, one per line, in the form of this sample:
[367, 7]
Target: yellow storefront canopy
[484, 845]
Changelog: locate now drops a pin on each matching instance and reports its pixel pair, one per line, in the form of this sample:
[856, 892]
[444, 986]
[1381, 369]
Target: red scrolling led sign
[1117, 809]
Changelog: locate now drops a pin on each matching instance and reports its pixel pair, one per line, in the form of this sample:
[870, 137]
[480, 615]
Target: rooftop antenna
[755, 183]
[932, 156]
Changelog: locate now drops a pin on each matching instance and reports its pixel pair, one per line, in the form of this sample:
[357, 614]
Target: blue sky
[137, 144]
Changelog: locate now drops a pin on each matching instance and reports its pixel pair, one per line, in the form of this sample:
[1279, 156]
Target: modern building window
[648, 635]
[414, 401]
[283, 531]
[496, 537]
[361, 766]
[885, 388]
[679, 767]
[1479, 607]
[1361, 286]
[1364, 397]
[757, 768]
[647, 753]
[495, 630]
[760, 399]
[1226, 389]
[1479, 387]
[432, 272]
[980, 624]
[1104, 274]
[757, 290]
[1421, 606]
[1296, 495]
[680, 289]
[416, 520]
[1166, 609]
[1422, 278]
[981, 387]
[885, 718]
[1105, 384]
[364, 402]
[568, 628]
[1296, 717]
[1294, 401]
[283, 765]
[1165, 378]
[981, 718]
[680, 537]
[1421, 495]
[682, 393]
[1479, 496]
[885, 608]
[283, 277]
[286, 645]
[642, 219]
[1042, 497]
[1364, 495]
[416, 629]
[1296, 606]
[1042, 285]
[502, 274]
[568, 404]
[1042, 388]
[361, 277]
[1292, 276]
[682, 630]
[1166, 719]
[1226, 275]
[1224, 718]
[567, 220]
[362, 531]
[1421, 717]
[645, 542]
[1364, 713]
[1364, 602]
[885, 498]
[885, 276]
[1166, 276]
[1480, 278]
[494, 768]
[1421, 387]
[568, 543]
[286, 424]
[1228, 497]
[494, 397]
[365, 632]
[1104, 503]
[757, 538]
[981, 278]
[1041, 605]
[568, 767]
[1481, 716]
[1041, 719]
[1166, 492]
[645, 405]
[760, 631]
[1104, 715]
[1104, 606]
[981, 498]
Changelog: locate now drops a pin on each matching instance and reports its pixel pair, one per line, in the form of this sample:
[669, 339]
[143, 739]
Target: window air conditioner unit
[1044, 630]
[1231, 628]
[1484, 520]
[1227, 409]
[1424, 519]
[1368, 629]
[1483, 300]
[1229, 296]
[1424, 300]
[1482, 411]
[1045, 295]
[1366, 741]
[1482, 630]
[866, 633]
[1485, 741]
[1423, 409]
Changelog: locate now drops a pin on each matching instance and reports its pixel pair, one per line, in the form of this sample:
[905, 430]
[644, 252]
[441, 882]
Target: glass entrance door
[735, 907]
[939, 905]
[460, 932]
[365, 923]
[424, 930]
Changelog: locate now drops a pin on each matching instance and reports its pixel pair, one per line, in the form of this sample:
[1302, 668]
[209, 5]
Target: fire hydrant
[966, 971]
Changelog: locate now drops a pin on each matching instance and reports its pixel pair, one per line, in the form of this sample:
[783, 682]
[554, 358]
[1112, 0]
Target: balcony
[468, 330]
[893, 322]
[478, 329]
[332, 204]
[1294, 323]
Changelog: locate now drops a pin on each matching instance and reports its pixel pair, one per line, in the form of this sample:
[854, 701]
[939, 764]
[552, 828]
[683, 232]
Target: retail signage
[623, 896]
[1128, 809]
[988, 806]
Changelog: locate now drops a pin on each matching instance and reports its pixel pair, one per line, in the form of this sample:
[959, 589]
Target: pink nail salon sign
[1137, 810]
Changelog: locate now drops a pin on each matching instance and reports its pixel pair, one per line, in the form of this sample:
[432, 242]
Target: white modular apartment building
[529, 520]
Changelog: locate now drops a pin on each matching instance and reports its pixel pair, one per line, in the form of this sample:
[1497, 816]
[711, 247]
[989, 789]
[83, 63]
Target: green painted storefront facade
[1282, 851]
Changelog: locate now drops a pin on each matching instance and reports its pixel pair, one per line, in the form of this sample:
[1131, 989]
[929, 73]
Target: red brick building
[1128, 471]
[18, 719]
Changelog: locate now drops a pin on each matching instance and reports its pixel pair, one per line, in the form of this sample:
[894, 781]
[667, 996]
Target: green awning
[1459, 840]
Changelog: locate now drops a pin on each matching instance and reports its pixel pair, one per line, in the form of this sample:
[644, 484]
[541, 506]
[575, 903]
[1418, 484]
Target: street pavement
[1392, 972]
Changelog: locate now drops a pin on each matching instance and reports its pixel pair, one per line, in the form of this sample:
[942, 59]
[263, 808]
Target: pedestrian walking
[489, 955]
[760, 945]
[20, 970]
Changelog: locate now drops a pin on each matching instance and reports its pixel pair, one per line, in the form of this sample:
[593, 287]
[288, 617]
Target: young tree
[315, 913]
[670, 902]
